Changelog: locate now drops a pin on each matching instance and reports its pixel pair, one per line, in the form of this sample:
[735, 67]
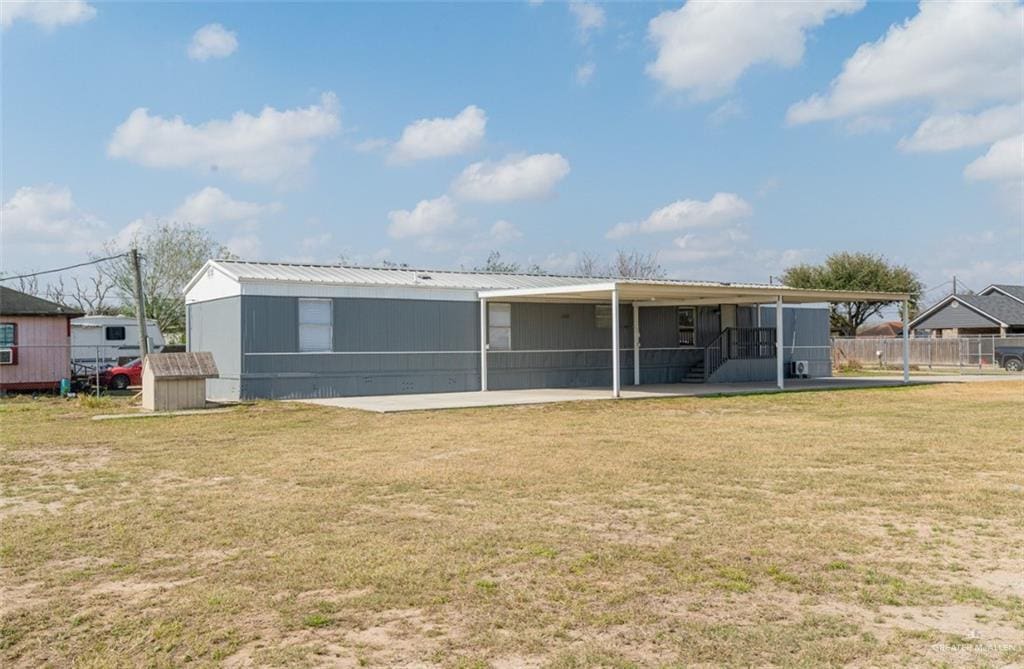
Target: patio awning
[684, 292]
[649, 293]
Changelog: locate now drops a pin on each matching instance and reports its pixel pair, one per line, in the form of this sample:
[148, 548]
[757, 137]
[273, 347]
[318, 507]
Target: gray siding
[805, 336]
[402, 327]
[215, 326]
[955, 317]
[270, 324]
[388, 346]
[739, 371]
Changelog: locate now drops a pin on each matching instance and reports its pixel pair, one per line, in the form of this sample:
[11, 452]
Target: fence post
[979, 354]
[97, 371]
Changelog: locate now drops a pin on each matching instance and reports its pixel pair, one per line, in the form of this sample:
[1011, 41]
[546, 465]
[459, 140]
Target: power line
[63, 269]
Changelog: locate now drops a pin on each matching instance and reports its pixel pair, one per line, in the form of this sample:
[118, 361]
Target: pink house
[35, 341]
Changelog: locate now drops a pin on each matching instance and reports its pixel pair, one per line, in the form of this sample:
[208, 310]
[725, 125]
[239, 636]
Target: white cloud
[1004, 161]
[212, 41]
[503, 232]
[437, 137]
[49, 15]
[372, 144]
[212, 205]
[315, 243]
[585, 72]
[957, 131]
[704, 47]
[269, 147]
[589, 17]
[514, 178]
[560, 263]
[427, 218]
[247, 247]
[722, 209]
[46, 218]
[725, 112]
[695, 248]
[953, 55]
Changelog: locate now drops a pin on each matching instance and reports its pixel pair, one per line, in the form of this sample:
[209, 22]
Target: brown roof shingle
[198, 365]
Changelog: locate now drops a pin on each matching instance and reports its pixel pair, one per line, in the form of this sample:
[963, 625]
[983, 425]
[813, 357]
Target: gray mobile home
[279, 330]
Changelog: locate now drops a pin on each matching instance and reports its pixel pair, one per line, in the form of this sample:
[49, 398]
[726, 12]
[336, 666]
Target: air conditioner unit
[801, 368]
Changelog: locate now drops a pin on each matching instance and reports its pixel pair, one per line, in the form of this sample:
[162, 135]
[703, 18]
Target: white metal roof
[531, 287]
[240, 270]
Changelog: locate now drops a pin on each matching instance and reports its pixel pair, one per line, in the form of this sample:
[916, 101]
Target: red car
[122, 376]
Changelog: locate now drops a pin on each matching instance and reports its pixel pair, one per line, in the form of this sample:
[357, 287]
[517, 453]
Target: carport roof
[689, 292]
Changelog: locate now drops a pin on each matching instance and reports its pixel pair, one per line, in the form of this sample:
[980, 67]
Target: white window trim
[330, 324]
[491, 305]
[9, 354]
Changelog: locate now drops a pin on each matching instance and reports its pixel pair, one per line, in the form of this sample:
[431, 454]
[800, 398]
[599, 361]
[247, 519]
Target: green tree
[855, 271]
[171, 253]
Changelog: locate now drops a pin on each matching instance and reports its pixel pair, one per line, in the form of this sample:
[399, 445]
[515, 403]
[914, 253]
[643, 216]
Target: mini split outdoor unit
[801, 368]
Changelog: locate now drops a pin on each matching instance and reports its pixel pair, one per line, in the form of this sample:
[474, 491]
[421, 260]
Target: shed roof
[198, 365]
[16, 303]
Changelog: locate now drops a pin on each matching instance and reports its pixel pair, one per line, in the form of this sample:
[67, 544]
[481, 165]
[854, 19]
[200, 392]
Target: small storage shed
[173, 381]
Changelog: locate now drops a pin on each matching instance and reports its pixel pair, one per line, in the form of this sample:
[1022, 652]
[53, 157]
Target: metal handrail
[738, 344]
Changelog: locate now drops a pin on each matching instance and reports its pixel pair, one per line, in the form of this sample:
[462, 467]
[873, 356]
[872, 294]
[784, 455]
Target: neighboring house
[280, 330]
[35, 338]
[997, 310]
[883, 329]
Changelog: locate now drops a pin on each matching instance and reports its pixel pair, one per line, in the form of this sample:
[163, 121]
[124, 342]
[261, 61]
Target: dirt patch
[18, 506]
[135, 589]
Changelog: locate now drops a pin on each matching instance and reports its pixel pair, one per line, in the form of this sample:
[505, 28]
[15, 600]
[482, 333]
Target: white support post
[780, 375]
[483, 345]
[636, 344]
[616, 382]
[906, 341]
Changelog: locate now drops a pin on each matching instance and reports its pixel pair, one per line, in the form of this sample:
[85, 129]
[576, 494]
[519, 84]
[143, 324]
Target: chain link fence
[58, 368]
[968, 354]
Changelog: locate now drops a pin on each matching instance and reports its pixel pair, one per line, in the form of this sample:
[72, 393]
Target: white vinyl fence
[972, 352]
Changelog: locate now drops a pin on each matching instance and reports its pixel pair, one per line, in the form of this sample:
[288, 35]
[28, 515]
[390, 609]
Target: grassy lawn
[869, 527]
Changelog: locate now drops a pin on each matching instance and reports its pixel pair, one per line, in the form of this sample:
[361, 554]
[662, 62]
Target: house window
[603, 316]
[115, 333]
[8, 335]
[687, 317]
[499, 327]
[316, 325]
[8, 340]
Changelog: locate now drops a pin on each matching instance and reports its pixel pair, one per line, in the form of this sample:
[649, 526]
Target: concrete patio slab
[491, 398]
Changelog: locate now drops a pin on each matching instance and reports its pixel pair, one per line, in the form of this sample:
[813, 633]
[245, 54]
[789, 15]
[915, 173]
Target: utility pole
[140, 304]
[954, 284]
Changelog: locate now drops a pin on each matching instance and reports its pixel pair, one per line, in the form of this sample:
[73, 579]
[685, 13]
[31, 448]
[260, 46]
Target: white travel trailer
[109, 340]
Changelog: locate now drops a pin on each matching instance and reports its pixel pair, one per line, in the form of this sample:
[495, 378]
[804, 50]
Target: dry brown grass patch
[865, 528]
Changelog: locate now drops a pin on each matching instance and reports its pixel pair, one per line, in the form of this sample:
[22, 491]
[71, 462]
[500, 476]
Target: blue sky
[731, 140]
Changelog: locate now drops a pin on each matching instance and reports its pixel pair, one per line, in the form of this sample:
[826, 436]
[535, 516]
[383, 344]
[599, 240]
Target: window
[687, 325]
[603, 316]
[115, 333]
[8, 334]
[8, 340]
[499, 327]
[316, 325]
